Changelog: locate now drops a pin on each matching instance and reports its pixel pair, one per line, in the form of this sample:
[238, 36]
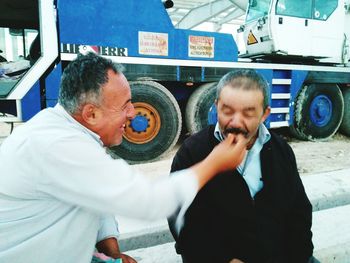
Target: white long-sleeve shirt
[58, 187]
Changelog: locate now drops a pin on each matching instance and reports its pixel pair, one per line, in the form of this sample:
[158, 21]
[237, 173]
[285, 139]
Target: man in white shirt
[60, 190]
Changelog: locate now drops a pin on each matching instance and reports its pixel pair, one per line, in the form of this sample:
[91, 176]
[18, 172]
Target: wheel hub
[145, 126]
[139, 123]
[321, 110]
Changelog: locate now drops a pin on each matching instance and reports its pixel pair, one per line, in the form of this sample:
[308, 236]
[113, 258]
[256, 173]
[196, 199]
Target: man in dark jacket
[258, 213]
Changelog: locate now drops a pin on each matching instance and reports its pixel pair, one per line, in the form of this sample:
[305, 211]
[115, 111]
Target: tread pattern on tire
[195, 106]
[345, 125]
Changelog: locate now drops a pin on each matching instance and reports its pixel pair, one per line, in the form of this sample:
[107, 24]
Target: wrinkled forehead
[243, 83]
[238, 97]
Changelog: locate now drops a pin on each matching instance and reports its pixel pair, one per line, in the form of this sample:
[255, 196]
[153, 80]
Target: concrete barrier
[331, 238]
[331, 234]
[329, 194]
[145, 238]
[157, 254]
[326, 190]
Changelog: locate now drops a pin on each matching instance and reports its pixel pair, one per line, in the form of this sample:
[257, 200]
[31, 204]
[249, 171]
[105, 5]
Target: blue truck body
[173, 62]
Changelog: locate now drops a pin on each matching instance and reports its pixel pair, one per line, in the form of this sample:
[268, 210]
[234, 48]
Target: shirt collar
[60, 110]
[263, 137]
[217, 133]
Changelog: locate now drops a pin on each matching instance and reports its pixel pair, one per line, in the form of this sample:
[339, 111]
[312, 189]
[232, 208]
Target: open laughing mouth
[236, 131]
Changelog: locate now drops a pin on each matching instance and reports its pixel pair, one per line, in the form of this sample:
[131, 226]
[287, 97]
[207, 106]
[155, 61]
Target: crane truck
[301, 48]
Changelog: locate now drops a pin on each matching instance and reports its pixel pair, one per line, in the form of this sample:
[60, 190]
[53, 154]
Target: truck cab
[299, 30]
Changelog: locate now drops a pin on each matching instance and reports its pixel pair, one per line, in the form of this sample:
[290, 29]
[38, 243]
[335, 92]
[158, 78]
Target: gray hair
[83, 79]
[246, 79]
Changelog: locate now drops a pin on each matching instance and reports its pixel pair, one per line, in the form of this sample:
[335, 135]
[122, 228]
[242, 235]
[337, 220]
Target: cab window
[19, 41]
[323, 9]
[297, 8]
[257, 9]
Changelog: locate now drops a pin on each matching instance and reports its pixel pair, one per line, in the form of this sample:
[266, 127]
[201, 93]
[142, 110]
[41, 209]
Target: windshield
[257, 9]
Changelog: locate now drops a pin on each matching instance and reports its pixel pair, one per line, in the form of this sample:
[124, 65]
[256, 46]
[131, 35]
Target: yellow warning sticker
[251, 39]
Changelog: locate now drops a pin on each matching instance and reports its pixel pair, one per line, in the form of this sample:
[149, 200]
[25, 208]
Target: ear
[90, 114]
[266, 113]
[216, 102]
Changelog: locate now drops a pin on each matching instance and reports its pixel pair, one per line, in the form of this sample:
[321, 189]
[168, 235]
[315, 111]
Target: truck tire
[318, 112]
[198, 106]
[345, 125]
[156, 126]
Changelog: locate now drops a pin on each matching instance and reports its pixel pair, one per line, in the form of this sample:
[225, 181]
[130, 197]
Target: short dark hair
[82, 80]
[246, 79]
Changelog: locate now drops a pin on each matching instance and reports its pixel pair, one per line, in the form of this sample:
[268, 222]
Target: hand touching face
[241, 111]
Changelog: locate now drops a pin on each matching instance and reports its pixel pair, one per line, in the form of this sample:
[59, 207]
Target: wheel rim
[145, 126]
[321, 110]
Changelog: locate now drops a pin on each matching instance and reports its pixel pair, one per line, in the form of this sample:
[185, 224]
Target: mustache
[236, 131]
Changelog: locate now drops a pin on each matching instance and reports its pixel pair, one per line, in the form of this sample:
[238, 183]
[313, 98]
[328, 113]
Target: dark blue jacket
[224, 222]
